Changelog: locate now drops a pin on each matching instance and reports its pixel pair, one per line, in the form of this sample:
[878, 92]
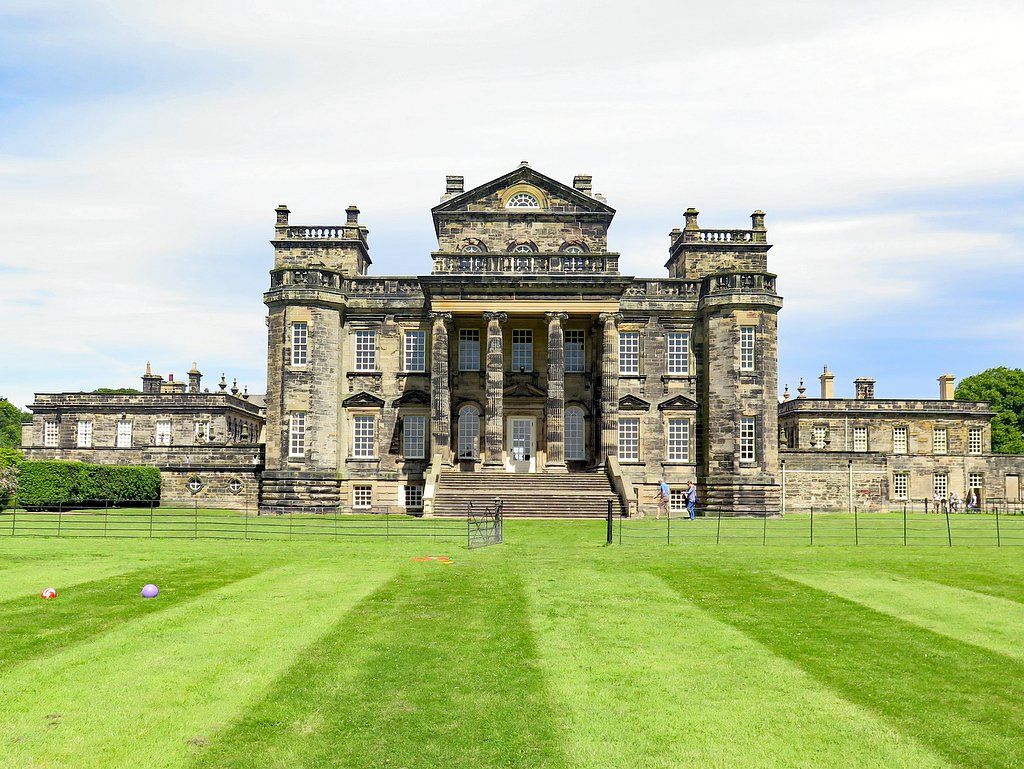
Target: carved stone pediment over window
[363, 400]
[678, 403]
[633, 403]
[412, 397]
[524, 390]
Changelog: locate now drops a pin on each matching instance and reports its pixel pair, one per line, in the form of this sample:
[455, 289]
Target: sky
[144, 146]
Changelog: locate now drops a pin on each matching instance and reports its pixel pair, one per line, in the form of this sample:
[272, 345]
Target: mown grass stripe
[436, 669]
[966, 615]
[28, 578]
[966, 703]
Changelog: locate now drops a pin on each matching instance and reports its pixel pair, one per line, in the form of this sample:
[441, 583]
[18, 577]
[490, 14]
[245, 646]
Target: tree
[1003, 389]
[11, 418]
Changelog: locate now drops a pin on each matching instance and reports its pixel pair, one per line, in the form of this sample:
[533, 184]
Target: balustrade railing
[526, 263]
[315, 232]
[723, 236]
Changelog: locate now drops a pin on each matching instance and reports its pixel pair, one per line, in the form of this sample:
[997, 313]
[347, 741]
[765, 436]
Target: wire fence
[900, 527]
[152, 521]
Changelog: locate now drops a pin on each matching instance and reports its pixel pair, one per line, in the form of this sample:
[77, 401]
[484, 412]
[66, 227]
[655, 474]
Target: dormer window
[522, 200]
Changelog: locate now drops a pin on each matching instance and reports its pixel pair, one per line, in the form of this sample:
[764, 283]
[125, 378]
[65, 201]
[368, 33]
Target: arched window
[574, 249]
[469, 432]
[471, 249]
[523, 248]
[522, 200]
[575, 442]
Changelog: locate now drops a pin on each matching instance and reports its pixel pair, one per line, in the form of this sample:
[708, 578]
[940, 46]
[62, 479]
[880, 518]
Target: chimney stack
[454, 185]
[150, 381]
[691, 219]
[865, 387]
[282, 215]
[584, 183]
[352, 215]
[828, 384]
[194, 379]
[946, 388]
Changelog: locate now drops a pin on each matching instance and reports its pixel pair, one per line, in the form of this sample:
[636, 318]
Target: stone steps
[577, 495]
[298, 494]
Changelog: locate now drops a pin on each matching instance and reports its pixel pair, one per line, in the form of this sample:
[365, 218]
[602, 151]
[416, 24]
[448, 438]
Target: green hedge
[55, 482]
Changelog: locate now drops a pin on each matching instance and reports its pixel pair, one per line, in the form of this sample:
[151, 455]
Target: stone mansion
[524, 365]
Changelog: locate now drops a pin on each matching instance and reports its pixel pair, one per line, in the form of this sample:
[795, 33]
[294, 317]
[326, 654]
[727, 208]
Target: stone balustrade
[355, 286]
[724, 236]
[740, 282]
[447, 263]
[315, 232]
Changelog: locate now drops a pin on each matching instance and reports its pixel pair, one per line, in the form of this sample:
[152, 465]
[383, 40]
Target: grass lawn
[549, 651]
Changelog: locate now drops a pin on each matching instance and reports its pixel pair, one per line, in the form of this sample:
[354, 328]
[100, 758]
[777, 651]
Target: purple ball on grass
[150, 591]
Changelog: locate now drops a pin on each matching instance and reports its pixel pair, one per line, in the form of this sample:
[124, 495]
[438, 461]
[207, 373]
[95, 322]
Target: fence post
[620, 529]
[999, 542]
[290, 522]
[106, 517]
[387, 523]
[14, 518]
[608, 532]
[904, 524]
[195, 512]
[669, 526]
[718, 529]
[59, 516]
[856, 527]
[151, 519]
[949, 532]
[812, 524]
[764, 530]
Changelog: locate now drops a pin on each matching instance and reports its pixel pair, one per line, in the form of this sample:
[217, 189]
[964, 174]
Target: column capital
[445, 317]
[501, 317]
[559, 316]
[610, 317]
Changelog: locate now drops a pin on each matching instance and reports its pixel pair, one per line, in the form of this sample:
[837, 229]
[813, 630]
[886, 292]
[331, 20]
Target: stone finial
[864, 388]
[454, 185]
[149, 369]
[946, 388]
[234, 386]
[282, 215]
[828, 384]
[584, 183]
[785, 394]
[524, 163]
[245, 392]
[801, 389]
[223, 383]
[691, 214]
[352, 215]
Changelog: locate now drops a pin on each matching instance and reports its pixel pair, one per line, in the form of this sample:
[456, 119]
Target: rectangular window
[362, 497]
[201, 431]
[860, 439]
[364, 437]
[677, 500]
[415, 350]
[679, 440]
[297, 434]
[629, 439]
[678, 352]
[975, 481]
[123, 439]
[50, 434]
[940, 443]
[574, 350]
[575, 439]
[163, 432]
[300, 343]
[414, 430]
[522, 349]
[940, 484]
[629, 352]
[899, 440]
[747, 348]
[974, 440]
[469, 349]
[747, 448]
[366, 351]
[414, 497]
[84, 436]
[900, 485]
[819, 436]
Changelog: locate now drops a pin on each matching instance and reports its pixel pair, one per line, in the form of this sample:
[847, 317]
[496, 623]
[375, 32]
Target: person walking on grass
[691, 499]
[664, 494]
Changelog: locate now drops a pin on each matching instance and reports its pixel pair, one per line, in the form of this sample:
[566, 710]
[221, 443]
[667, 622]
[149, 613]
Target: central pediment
[523, 390]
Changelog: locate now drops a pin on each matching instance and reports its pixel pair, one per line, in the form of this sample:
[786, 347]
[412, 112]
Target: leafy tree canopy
[1003, 388]
[11, 418]
[116, 390]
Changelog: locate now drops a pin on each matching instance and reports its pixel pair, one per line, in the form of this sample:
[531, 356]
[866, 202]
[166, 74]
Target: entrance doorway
[522, 453]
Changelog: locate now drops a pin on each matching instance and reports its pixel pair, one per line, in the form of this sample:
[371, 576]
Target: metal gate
[484, 525]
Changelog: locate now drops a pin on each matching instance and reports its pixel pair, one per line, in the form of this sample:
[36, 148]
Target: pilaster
[440, 383]
[555, 410]
[495, 413]
[609, 385]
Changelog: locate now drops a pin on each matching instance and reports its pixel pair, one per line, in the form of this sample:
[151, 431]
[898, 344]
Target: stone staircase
[293, 493]
[756, 499]
[528, 495]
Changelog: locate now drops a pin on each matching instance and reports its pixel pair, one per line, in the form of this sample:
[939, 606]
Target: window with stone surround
[677, 500]
[300, 343]
[747, 341]
[201, 431]
[819, 434]
[414, 430]
[974, 440]
[523, 200]
[678, 344]
[575, 449]
[297, 434]
[83, 437]
[899, 439]
[123, 437]
[413, 496]
[362, 496]
[366, 350]
[364, 437]
[50, 433]
[940, 440]
[415, 350]
[940, 485]
[522, 349]
[629, 352]
[975, 481]
[748, 427]
[679, 440]
[469, 432]
[629, 439]
[900, 485]
[469, 349]
[860, 439]
[162, 436]
[574, 350]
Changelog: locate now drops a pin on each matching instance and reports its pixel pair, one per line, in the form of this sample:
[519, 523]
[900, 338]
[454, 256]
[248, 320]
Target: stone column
[609, 386]
[440, 385]
[495, 425]
[555, 412]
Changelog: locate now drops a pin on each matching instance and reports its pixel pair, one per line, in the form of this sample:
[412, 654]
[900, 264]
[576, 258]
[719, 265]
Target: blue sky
[143, 148]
